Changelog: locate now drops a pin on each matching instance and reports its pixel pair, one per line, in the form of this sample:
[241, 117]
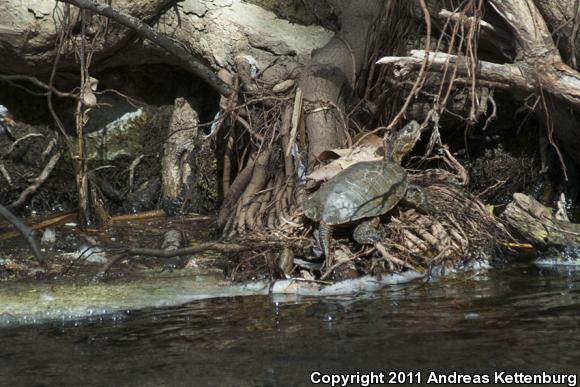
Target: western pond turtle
[366, 190]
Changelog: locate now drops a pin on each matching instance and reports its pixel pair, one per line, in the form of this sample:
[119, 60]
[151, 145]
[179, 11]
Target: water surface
[520, 319]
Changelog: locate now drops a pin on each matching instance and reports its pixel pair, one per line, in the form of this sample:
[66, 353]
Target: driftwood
[538, 224]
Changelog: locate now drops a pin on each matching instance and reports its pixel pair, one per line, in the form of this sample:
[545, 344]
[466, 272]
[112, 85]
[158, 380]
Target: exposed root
[457, 228]
[258, 182]
[262, 186]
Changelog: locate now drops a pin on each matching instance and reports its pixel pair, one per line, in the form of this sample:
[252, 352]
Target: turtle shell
[363, 190]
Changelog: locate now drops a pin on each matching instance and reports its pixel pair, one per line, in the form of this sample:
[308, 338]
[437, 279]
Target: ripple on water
[517, 319]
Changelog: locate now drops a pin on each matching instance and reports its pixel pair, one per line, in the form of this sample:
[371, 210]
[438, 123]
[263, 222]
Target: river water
[518, 319]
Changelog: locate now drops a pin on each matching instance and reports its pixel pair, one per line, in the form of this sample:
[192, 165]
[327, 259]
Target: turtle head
[402, 142]
[312, 209]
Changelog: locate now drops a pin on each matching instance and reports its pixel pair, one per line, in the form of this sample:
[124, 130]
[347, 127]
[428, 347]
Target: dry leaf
[342, 159]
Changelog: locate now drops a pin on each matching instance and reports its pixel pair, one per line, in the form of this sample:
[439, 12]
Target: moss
[539, 234]
[122, 137]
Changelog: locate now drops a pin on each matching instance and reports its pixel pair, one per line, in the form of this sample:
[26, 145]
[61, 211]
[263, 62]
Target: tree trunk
[177, 151]
[328, 81]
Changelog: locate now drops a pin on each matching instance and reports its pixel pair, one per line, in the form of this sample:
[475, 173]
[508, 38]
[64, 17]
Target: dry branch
[139, 216]
[539, 67]
[210, 246]
[507, 74]
[488, 30]
[37, 82]
[56, 220]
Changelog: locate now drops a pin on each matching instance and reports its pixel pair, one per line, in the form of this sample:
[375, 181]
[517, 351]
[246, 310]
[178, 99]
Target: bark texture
[178, 149]
[212, 30]
[329, 80]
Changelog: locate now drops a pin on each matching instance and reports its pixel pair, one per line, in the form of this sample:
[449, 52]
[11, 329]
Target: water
[520, 319]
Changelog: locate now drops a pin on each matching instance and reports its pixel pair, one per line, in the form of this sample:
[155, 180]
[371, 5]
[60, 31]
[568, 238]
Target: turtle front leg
[325, 235]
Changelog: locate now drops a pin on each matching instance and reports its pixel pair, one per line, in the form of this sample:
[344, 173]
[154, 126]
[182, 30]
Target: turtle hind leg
[325, 235]
[369, 232]
[416, 197]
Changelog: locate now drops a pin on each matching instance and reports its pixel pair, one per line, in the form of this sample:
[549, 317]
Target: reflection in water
[522, 319]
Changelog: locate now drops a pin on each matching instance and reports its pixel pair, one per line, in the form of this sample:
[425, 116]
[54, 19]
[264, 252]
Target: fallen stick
[213, 246]
[53, 221]
[139, 216]
[164, 253]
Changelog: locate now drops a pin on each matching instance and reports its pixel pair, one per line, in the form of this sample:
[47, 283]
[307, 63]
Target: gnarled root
[262, 192]
[456, 229]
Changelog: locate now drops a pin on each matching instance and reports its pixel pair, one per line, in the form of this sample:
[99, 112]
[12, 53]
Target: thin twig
[24, 195]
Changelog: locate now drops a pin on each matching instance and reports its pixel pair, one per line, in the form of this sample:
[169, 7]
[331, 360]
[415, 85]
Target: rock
[28, 31]
[116, 130]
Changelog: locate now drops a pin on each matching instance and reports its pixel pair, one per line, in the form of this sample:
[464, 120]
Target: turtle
[366, 190]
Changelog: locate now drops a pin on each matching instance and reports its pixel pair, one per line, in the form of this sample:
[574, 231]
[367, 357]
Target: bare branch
[486, 28]
[37, 82]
